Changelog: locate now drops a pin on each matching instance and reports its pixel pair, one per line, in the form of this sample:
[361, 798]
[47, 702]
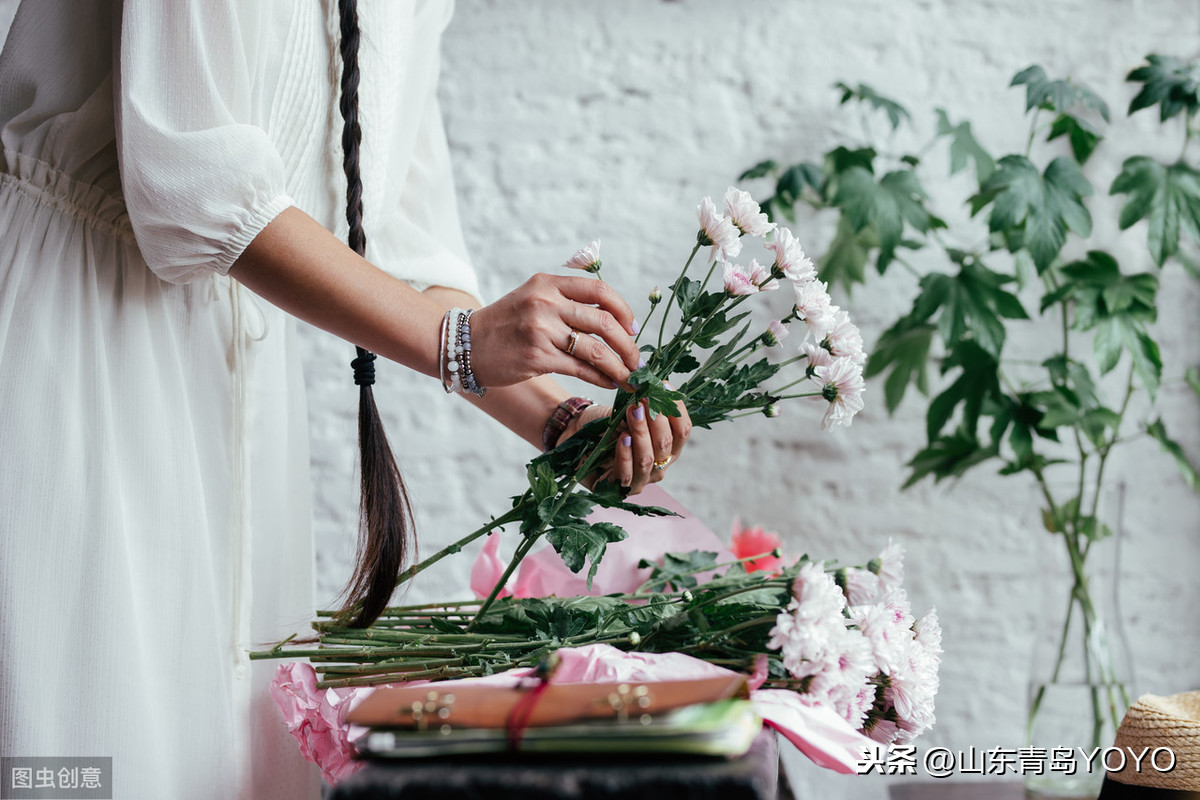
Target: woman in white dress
[163, 160]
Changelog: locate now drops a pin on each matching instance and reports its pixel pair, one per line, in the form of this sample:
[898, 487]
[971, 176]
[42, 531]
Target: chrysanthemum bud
[771, 411]
[635, 638]
[686, 596]
[655, 296]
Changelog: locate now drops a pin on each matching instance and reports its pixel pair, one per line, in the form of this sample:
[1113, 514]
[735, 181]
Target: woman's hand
[645, 447]
[543, 327]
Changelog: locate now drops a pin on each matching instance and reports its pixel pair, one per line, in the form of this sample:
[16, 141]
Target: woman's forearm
[304, 269]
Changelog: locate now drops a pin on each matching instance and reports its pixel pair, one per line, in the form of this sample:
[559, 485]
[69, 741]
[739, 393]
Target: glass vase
[1081, 677]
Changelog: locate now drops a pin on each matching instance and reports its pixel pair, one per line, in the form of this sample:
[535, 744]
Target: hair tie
[364, 369]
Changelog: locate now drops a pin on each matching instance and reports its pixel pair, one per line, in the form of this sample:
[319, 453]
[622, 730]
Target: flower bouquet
[835, 641]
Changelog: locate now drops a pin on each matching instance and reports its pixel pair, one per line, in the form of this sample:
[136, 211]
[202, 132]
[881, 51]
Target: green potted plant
[1056, 418]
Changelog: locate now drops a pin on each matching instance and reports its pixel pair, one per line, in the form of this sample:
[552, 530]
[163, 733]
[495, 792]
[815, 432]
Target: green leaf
[677, 571]
[865, 94]
[840, 159]
[578, 543]
[1097, 422]
[1168, 82]
[845, 261]
[1082, 135]
[760, 170]
[609, 495]
[948, 456]
[789, 189]
[1168, 197]
[542, 480]
[971, 303]
[977, 382]
[886, 206]
[1159, 432]
[1056, 95]
[1043, 206]
[905, 349]
[964, 147]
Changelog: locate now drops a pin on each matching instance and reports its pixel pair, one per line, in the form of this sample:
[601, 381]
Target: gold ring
[574, 341]
[661, 465]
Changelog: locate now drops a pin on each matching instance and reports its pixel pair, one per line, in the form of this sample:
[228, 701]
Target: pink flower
[842, 338]
[488, 568]
[815, 307]
[761, 277]
[737, 280]
[747, 542]
[746, 214]
[776, 332]
[790, 258]
[586, 258]
[718, 231]
[316, 717]
[842, 385]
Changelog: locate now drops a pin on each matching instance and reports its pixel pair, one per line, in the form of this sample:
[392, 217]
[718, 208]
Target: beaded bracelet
[456, 349]
[563, 415]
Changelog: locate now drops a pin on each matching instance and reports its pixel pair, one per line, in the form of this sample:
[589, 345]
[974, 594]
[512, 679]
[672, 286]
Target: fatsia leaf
[760, 170]
[1168, 197]
[1082, 135]
[904, 348]
[896, 199]
[1043, 206]
[1158, 431]
[948, 456]
[841, 159]
[845, 260]
[789, 189]
[865, 94]
[977, 382]
[964, 147]
[1057, 95]
[972, 303]
[1168, 82]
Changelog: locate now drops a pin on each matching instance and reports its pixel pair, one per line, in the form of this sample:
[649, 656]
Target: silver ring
[574, 341]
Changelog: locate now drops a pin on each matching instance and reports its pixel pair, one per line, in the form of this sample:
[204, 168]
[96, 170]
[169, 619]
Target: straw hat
[1160, 737]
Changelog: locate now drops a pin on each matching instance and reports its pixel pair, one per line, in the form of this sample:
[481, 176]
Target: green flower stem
[662, 325]
[503, 519]
[710, 568]
[799, 394]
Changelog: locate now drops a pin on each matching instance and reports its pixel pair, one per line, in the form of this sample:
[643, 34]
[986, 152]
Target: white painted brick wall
[574, 120]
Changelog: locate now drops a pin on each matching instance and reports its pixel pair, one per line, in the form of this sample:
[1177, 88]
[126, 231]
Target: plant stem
[662, 325]
[503, 519]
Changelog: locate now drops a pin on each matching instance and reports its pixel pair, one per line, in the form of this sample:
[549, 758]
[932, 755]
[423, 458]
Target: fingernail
[637, 327]
[641, 362]
[616, 385]
[627, 441]
[668, 385]
[639, 414]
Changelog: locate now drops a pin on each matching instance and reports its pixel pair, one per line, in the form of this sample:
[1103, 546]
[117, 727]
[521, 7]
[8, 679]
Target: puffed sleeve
[200, 179]
[418, 236]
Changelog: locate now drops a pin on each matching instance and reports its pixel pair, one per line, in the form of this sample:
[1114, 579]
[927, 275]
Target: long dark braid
[385, 512]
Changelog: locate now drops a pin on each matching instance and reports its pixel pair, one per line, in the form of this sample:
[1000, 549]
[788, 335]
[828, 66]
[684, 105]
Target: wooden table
[754, 776]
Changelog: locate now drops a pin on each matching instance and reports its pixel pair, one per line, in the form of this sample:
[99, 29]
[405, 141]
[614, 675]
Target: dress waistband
[86, 202]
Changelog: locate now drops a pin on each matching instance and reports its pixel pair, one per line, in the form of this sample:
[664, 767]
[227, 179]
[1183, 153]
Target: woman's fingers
[622, 467]
[661, 442]
[637, 418]
[681, 427]
[611, 336]
[597, 293]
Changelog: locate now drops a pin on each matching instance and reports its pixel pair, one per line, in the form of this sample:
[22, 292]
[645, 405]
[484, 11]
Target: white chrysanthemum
[843, 338]
[846, 666]
[888, 627]
[842, 385]
[761, 276]
[817, 356]
[718, 231]
[790, 258]
[891, 569]
[928, 632]
[586, 258]
[746, 214]
[815, 307]
[738, 281]
[861, 586]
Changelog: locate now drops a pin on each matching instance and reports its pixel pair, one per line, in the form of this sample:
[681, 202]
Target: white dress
[154, 485]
